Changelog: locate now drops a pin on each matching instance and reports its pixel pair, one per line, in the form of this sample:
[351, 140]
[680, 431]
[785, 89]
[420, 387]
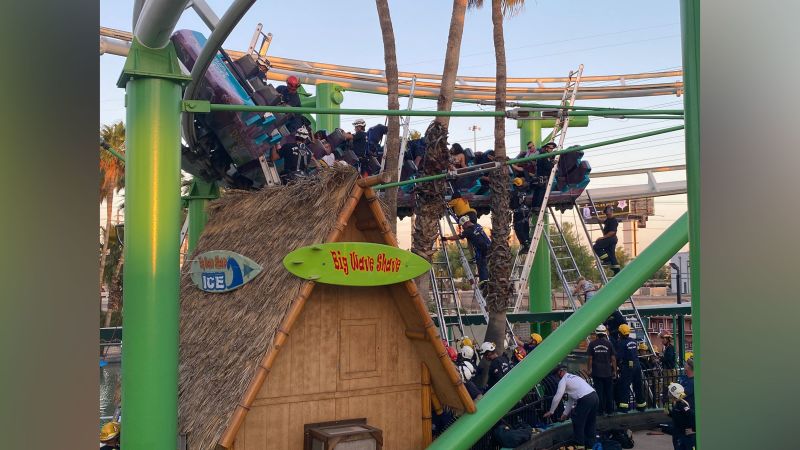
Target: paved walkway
[644, 441]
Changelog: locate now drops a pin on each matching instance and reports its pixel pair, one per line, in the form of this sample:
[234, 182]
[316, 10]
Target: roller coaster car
[227, 144]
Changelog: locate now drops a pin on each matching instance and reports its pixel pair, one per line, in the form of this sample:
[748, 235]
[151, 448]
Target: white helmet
[466, 372]
[601, 329]
[359, 123]
[302, 132]
[463, 220]
[676, 390]
[487, 347]
[467, 352]
[469, 366]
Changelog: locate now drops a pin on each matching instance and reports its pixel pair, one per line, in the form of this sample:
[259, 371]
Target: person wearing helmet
[536, 339]
[297, 157]
[467, 372]
[612, 324]
[602, 366]
[683, 419]
[687, 380]
[110, 436]
[358, 142]
[668, 353]
[480, 242]
[606, 245]
[461, 207]
[499, 365]
[467, 354]
[645, 358]
[290, 97]
[540, 178]
[582, 406]
[630, 370]
[522, 213]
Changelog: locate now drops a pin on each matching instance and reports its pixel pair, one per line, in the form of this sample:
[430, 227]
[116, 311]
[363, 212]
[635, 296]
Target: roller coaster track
[361, 79]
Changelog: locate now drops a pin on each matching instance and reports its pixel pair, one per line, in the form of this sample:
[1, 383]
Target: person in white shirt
[585, 288]
[582, 404]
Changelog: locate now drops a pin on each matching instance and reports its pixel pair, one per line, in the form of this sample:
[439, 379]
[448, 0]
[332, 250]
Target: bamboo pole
[427, 424]
[237, 419]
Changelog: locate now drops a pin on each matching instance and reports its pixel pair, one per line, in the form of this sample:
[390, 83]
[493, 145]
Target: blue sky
[548, 38]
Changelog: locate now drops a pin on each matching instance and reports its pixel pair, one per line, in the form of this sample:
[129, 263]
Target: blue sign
[222, 271]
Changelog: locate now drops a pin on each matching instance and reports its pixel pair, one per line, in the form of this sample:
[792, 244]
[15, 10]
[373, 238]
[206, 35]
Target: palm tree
[112, 175]
[392, 152]
[429, 206]
[499, 287]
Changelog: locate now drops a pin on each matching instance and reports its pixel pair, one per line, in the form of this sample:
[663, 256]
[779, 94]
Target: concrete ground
[644, 441]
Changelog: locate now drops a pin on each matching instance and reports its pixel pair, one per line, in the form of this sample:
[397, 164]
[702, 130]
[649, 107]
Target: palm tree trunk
[392, 150]
[500, 254]
[109, 209]
[429, 206]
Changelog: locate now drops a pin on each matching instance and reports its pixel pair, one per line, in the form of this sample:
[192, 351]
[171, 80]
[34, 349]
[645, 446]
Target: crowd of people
[615, 365]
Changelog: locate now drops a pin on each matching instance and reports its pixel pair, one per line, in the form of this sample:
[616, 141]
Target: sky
[547, 38]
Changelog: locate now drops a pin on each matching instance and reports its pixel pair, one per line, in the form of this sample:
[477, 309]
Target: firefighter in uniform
[480, 242]
[499, 365]
[602, 366]
[297, 157]
[683, 420]
[522, 214]
[606, 245]
[630, 371]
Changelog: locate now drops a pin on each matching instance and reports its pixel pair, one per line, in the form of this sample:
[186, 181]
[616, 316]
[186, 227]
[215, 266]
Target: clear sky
[548, 38]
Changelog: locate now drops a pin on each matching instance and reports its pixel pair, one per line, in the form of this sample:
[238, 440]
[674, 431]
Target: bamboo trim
[427, 424]
[416, 335]
[237, 419]
[437, 404]
[419, 304]
[374, 180]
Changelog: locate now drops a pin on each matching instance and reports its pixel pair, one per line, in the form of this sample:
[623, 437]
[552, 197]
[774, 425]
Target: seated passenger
[457, 158]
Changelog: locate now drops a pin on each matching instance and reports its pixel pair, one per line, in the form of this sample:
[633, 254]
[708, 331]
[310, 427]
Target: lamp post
[474, 129]
[681, 347]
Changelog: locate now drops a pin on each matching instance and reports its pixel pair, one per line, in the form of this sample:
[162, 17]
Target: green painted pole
[522, 378]
[690, 34]
[152, 80]
[535, 157]
[329, 96]
[199, 195]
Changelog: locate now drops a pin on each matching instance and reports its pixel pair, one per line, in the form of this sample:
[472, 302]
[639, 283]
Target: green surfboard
[355, 264]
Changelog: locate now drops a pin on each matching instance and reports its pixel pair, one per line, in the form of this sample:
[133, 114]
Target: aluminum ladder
[445, 294]
[558, 135]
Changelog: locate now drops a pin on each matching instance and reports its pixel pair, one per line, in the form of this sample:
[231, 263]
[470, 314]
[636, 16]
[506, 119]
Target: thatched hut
[260, 362]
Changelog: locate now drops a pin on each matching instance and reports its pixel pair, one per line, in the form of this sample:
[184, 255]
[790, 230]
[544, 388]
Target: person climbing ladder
[605, 246]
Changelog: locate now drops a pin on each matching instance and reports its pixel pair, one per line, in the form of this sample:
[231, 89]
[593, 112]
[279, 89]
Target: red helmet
[292, 82]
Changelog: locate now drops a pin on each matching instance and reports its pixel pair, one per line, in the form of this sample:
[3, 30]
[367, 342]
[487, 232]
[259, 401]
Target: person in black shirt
[612, 324]
[605, 246]
[499, 365]
[480, 242]
[290, 97]
[683, 419]
[540, 179]
[297, 157]
[359, 143]
[602, 367]
[522, 214]
[668, 357]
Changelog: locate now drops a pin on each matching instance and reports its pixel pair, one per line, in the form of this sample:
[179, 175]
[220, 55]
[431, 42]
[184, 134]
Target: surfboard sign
[355, 264]
[222, 271]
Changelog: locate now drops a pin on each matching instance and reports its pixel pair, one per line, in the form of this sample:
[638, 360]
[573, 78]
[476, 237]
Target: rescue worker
[480, 242]
[668, 354]
[612, 324]
[467, 371]
[683, 419]
[522, 214]
[374, 137]
[645, 359]
[536, 339]
[499, 365]
[606, 245]
[359, 143]
[630, 371]
[290, 97]
[582, 406]
[110, 436]
[585, 289]
[540, 179]
[467, 354]
[461, 207]
[297, 157]
[602, 367]
[687, 381]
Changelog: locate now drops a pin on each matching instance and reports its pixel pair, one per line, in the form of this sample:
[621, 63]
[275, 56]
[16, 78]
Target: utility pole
[474, 129]
[681, 347]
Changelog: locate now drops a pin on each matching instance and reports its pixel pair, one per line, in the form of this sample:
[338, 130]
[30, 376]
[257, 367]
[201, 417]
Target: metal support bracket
[145, 62]
[196, 106]
[202, 191]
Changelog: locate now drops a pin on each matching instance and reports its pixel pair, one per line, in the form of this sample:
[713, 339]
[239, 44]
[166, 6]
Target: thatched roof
[227, 341]
[223, 337]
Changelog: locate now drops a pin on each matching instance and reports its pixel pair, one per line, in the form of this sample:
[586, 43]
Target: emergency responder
[687, 380]
[602, 367]
[110, 436]
[630, 371]
[297, 157]
[536, 339]
[606, 245]
[467, 354]
[499, 365]
[540, 180]
[461, 207]
[290, 97]
[522, 214]
[612, 324]
[480, 242]
[359, 143]
[683, 420]
[645, 358]
[467, 371]
[582, 406]
[668, 354]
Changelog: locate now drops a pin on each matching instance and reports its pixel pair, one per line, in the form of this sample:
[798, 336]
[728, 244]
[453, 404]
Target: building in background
[680, 259]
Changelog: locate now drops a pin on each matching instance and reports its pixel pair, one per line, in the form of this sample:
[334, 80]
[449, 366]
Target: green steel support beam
[329, 97]
[152, 80]
[690, 37]
[535, 157]
[199, 195]
[522, 378]
[113, 152]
